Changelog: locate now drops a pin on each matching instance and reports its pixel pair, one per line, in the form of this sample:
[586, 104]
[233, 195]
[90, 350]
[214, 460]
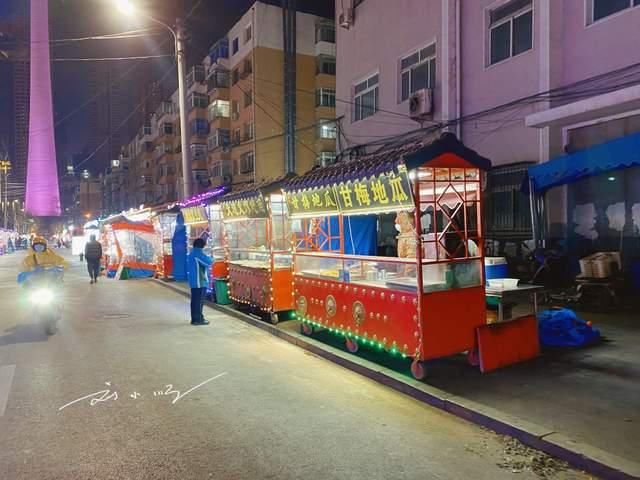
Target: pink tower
[43, 194]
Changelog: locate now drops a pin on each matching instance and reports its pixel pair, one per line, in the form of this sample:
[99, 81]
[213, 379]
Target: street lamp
[126, 7]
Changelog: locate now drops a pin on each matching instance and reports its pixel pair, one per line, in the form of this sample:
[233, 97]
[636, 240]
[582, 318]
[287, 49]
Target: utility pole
[182, 102]
[5, 168]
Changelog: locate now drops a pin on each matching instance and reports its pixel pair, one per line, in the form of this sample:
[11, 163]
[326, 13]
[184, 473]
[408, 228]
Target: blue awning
[619, 153]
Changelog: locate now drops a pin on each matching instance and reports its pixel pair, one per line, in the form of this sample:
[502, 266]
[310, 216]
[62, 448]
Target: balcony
[219, 50]
[166, 108]
[196, 75]
[218, 78]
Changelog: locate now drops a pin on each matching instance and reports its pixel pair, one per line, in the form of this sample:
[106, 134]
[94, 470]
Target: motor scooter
[43, 287]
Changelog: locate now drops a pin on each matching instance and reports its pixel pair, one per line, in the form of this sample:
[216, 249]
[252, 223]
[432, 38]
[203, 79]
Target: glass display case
[258, 242]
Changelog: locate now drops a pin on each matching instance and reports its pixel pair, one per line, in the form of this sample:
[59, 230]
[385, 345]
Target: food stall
[164, 222]
[426, 301]
[258, 246]
[203, 219]
[129, 247]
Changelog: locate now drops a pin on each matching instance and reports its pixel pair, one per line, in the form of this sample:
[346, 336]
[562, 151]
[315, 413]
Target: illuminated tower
[43, 194]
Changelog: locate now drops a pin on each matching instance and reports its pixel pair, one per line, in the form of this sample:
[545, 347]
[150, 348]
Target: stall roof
[256, 189]
[412, 155]
[206, 197]
[620, 153]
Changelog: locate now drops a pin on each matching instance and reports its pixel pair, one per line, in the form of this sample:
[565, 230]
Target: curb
[582, 456]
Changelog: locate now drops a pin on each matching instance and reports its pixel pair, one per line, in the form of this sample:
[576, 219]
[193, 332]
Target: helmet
[38, 241]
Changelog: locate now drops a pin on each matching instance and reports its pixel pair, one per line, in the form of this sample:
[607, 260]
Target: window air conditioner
[421, 104]
[226, 179]
[346, 18]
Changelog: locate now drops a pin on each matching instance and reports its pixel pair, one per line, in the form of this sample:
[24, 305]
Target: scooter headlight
[43, 296]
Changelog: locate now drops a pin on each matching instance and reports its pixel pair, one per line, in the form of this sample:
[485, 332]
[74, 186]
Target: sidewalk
[582, 406]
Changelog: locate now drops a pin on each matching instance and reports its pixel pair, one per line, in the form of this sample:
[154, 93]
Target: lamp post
[178, 34]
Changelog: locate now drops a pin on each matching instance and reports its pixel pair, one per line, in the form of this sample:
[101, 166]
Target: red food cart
[258, 245]
[427, 300]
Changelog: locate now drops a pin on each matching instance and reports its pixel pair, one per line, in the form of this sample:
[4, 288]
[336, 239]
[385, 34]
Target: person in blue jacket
[198, 265]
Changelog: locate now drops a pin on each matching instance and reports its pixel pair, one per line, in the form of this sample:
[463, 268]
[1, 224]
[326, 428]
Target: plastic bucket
[222, 292]
[496, 267]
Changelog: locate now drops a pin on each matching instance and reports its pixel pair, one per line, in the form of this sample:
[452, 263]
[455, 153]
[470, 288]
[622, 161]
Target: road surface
[128, 390]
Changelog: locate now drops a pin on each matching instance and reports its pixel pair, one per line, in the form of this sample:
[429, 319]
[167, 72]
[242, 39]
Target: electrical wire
[107, 59]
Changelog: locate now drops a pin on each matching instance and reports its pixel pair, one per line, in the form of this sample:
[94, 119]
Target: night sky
[78, 18]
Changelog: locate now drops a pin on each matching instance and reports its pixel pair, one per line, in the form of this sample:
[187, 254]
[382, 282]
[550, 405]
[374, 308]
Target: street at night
[319, 239]
[271, 411]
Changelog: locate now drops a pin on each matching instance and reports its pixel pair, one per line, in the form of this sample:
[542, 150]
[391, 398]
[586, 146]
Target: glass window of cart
[247, 241]
[451, 236]
[216, 232]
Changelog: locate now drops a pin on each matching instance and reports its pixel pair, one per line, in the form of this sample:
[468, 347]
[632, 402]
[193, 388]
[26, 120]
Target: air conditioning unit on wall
[345, 19]
[421, 104]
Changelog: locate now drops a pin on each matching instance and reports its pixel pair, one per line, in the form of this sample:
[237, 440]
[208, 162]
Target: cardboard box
[601, 265]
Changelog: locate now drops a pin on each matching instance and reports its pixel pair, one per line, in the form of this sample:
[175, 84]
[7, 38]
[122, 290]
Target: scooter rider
[41, 256]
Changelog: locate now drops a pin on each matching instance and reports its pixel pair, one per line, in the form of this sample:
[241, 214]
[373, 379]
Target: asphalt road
[261, 408]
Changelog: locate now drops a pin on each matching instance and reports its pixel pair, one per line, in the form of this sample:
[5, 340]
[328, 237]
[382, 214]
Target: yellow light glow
[126, 7]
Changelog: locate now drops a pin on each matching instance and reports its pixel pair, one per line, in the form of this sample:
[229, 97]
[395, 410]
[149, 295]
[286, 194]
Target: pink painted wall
[606, 45]
[503, 137]
[384, 31]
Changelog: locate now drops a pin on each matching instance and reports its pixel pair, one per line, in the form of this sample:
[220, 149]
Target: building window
[326, 158]
[167, 148]
[326, 97]
[236, 136]
[200, 127]
[198, 100]
[248, 131]
[325, 33]
[246, 162]
[365, 99]
[235, 110]
[198, 152]
[599, 9]
[248, 67]
[248, 98]
[148, 146]
[326, 65]
[167, 128]
[418, 71]
[510, 30]
[235, 46]
[508, 213]
[235, 76]
[219, 109]
[220, 138]
[327, 129]
[247, 34]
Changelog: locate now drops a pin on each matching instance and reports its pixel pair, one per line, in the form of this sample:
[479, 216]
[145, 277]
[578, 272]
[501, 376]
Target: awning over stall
[376, 182]
[250, 202]
[619, 153]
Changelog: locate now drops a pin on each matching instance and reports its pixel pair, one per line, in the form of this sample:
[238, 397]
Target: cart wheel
[351, 345]
[306, 329]
[473, 358]
[418, 370]
[274, 318]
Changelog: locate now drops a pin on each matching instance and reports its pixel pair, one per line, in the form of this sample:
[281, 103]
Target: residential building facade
[520, 81]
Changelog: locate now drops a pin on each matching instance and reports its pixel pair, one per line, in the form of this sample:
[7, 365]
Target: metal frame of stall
[391, 315]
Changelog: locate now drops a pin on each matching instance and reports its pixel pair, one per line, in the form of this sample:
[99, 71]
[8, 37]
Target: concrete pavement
[265, 409]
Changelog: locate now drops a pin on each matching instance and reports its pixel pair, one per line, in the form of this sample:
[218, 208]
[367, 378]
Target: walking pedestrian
[93, 254]
[198, 265]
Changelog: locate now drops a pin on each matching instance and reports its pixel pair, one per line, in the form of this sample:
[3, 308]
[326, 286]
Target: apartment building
[245, 76]
[482, 69]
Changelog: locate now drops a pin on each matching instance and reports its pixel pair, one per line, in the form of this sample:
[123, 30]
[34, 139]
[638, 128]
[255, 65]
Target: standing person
[93, 254]
[198, 264]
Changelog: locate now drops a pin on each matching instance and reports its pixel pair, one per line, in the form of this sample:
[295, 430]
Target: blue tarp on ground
[563, 328]
[619, 153]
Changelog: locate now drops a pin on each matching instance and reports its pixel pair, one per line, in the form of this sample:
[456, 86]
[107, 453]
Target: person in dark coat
[93, 254]
[198, 265]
